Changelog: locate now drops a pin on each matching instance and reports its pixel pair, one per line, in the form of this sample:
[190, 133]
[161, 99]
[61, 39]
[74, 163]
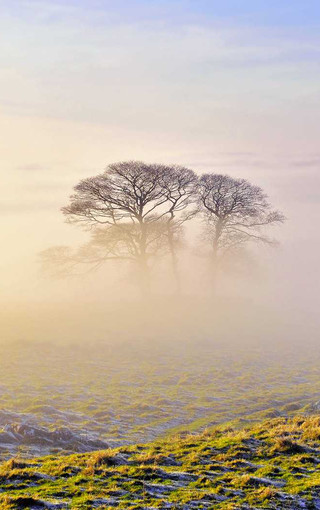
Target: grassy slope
[274, 464]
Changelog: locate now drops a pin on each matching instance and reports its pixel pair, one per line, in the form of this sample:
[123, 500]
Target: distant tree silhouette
[125, 203]
[134, 211]
[106, 243]
[235, 212]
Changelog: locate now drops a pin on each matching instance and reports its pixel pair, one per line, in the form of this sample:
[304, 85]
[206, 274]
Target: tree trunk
[215, 256]
[144, 276]
[215, 272]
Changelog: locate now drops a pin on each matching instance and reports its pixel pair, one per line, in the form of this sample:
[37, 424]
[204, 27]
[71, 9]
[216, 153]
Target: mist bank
[261, 300]
[159, 321]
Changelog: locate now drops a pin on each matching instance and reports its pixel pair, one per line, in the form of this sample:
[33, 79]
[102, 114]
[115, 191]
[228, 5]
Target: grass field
[77, 399]
[271, 465]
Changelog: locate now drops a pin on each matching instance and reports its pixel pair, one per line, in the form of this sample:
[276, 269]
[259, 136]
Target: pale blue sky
[262, 12]
[114, 62]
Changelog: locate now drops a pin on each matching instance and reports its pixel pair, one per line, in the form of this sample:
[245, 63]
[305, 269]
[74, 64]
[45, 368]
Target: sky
[227, 86]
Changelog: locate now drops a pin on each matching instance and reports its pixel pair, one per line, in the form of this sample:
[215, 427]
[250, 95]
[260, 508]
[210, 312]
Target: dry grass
[284, 444]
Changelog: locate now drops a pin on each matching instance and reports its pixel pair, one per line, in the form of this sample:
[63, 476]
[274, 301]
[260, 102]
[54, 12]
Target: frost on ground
[67, 399]
[271, 465]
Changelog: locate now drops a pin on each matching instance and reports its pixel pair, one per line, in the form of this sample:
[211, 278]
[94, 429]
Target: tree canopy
[136, 212]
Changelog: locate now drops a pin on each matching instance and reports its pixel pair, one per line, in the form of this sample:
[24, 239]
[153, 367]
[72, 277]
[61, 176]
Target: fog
[270, 297]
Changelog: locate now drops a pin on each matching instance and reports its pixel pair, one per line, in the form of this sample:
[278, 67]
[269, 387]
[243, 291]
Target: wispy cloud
[87, 64]
[303, 163]
[31, 167]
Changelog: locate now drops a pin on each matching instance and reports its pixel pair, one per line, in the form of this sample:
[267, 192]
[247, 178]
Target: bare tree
[128, 204]
[106, 243]
[179, 186]
[235, 213]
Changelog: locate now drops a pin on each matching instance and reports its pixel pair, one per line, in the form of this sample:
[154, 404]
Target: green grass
[272, 464]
